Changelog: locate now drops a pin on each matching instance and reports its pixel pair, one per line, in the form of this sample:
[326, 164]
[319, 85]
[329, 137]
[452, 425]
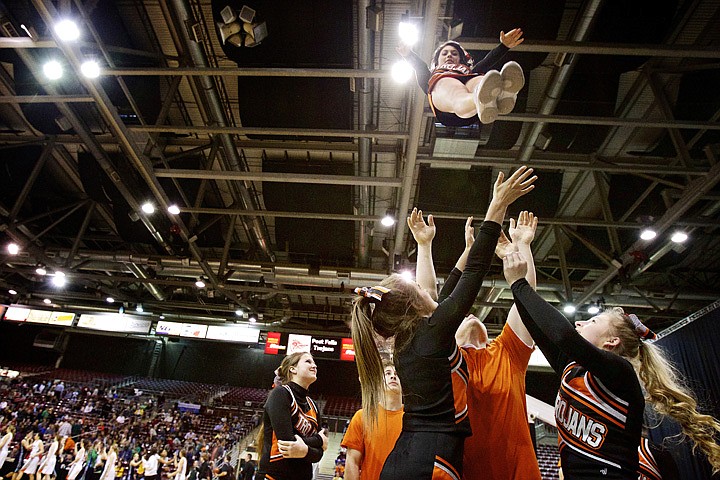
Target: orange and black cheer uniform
[427, 79]
[431, 443]
[656, 463]
[599, 407]
[289, 411]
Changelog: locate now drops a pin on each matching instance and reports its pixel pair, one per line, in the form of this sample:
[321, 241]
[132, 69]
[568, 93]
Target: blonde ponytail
[369, 362]
[666, 392]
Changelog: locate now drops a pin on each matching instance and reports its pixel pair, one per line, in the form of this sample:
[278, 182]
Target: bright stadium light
[53, 70]
[67, 30]
[402, 71]
[409, 33]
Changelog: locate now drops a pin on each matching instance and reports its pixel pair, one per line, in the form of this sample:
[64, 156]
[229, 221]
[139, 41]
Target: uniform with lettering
[289, 411]
[599, 407]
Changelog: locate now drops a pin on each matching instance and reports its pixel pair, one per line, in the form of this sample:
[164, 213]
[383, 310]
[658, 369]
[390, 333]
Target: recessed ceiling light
[67, 30]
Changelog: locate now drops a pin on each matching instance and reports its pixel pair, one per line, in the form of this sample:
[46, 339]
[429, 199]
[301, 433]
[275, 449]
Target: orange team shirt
[374, 450]
[500, 447]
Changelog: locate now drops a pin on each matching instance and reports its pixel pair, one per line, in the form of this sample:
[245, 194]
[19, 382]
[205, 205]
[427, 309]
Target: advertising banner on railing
[115, 322]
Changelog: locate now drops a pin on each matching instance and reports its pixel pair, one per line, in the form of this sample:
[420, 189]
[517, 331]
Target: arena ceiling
[284, 157]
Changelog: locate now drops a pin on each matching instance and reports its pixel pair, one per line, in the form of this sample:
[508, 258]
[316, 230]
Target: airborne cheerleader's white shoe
[513, 78]
[506, 102]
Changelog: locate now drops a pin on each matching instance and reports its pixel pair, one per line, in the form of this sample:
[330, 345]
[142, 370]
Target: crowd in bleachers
[136, 415]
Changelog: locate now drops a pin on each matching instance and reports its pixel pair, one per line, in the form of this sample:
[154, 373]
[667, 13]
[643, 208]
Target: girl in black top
[599, 408]
[460, 91]
[434, 428]
[290, 436]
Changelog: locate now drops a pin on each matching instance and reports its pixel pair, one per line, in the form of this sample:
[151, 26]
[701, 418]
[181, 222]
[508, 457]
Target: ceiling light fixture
[174, 209]
[648, 234]
[593, 310]
[110, 300]
[53, 70]
[200, 283]
[139, 308]
[47, 301]
[41, 270]
[408, 32]
[59, 279]
[90, 68]
[148, 208]
[239, 312]
[12, 292]
[402, 71]
[13, 248]
[679, 237]
[569, 309]
[67, 30]
[389, 219]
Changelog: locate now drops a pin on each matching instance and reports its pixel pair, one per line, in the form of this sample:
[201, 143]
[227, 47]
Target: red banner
[347, 352]
[272, 344]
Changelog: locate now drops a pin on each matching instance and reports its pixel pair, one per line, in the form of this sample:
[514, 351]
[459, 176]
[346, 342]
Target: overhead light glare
[409, 33]
[200, 283]
[47, 301]
[148, 208]
[388, 220]
[174, 209]
[679, 237]
[13, 248]
[648, 234]
[593, 310]
[41, 270]
[139, 308]
[110, 300]
[407, 275]
[59, 279]
[53, 70]
[90, 68]
[569, 309]
[12, 292]
[402, 71]
[239, 312]
[67, 30]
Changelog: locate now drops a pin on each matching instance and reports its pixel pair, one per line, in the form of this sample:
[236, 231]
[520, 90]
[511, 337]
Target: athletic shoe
[513, 78]
[488, 112]
[489, 87]
[506, 102]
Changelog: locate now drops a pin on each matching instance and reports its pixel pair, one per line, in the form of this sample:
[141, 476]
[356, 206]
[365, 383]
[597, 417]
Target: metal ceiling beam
[470, 43]
[248, 72]
[47, 99]
[296, 132]
[30, 181]
[128, 142]
[597, 48]
[416, 118]
[280, 177]
[694, 191]
[587, 163]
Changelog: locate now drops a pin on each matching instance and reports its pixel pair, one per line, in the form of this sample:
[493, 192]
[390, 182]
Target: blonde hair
[664, 387]
[287, 363]
[283, 371]
[397, 315]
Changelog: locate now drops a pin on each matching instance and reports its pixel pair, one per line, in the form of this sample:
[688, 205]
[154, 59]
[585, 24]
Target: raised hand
[469, 233]
[514, 267]
[404, 49]
[513, 38]
[423, 233]
[524, 230]
[507, 191]
[504, 247]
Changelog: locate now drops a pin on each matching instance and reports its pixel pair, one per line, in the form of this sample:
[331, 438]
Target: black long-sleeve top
[599, 407]
[424, 365]
[289, 411]
[423, 72]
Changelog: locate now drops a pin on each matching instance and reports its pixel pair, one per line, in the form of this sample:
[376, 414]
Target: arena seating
[238, 396]
[338, 406]
[178, 389]
[548, 458]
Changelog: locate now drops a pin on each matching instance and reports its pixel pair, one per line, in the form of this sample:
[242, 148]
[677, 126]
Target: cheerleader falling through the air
[461, 91]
